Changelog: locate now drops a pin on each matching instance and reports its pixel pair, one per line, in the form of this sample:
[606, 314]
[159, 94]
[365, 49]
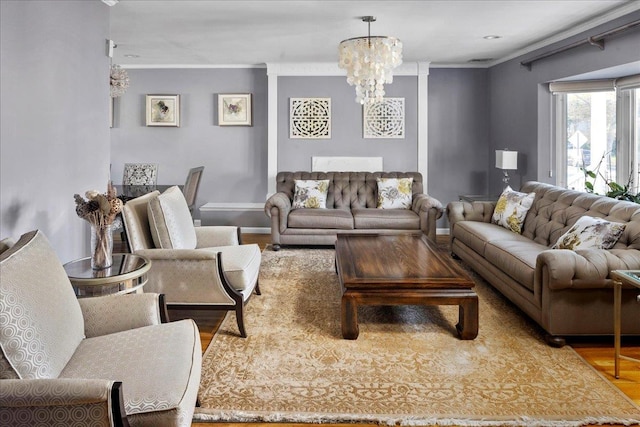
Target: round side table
[127, 274]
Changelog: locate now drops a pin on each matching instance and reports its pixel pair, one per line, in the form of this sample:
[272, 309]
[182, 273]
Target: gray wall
[521, 105]
[234, 157]
[458, 133]
[54, 128]
[346, 124]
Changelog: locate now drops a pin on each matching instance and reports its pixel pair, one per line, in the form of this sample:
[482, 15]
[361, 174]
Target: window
[597, 132]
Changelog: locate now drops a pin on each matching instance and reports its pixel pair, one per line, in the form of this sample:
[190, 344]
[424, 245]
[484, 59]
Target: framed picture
[234, 109]
[163, 110]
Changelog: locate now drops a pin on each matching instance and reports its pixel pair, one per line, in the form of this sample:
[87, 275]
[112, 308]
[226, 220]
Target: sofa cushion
[321, 218]
[170, 221]
[476, 234]
[161, 384]
[393, 219]
[516, 257]
[394, 193]
[590, 233]
[511, 209]
[310, 194]
[41, 323]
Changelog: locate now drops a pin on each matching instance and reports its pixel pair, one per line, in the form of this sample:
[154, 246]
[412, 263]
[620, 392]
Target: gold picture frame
[163, 110]
[234, 109]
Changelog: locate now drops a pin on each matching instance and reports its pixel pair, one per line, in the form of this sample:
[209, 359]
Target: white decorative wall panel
[310, 118]
[384, 119]
[346, 164]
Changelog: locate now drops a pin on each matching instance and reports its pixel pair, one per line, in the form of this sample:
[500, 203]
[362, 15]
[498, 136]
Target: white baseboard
[256, 230]
[441, 231]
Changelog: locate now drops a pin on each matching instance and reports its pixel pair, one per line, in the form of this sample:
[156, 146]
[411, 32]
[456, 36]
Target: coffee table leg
[349, 318]
[467, 326]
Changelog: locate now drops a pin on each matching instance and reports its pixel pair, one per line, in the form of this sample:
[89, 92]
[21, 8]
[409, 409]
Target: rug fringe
[316, 418]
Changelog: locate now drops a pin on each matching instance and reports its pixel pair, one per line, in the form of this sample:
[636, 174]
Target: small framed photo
[163, 110]
[234, 109]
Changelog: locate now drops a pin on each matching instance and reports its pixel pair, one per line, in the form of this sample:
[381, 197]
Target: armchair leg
[240, 319]
[257, 288]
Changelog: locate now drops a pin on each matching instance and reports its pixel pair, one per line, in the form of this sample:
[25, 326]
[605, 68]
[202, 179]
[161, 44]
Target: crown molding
[332, 69]
[166, 66]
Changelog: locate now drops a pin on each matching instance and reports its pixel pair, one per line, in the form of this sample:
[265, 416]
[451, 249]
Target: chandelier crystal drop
[119, 81]
[369, 62]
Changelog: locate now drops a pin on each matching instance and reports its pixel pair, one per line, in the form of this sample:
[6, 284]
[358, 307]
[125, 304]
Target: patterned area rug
[406, 368]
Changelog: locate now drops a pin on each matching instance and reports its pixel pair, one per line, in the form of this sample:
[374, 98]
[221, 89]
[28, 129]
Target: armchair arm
[210, 236]
[61, 401]
[186, 276]
[278, 206]
[107, 315]
[586, 269]
[463, 211]
[429, 210]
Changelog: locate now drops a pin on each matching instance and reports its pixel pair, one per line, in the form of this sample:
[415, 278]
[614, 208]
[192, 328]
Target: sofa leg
[275, 247]
[555, 341]
[454, 256]
[257, 288]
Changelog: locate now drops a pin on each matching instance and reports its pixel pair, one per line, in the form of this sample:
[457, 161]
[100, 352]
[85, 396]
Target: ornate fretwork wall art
[310, 118]
[384, 119]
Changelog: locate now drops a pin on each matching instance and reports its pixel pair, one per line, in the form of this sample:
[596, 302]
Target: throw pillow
[590, 233]
[170, 221]
[394, 193]
[511, 209]
[310, 194]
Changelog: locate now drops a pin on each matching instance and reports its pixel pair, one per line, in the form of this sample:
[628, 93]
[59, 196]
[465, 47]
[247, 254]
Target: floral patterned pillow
[511, 209]
[394, 193]
[590, 233]
[310, 194]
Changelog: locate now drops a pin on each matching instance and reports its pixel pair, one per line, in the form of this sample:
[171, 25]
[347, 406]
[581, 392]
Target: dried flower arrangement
[100, 210]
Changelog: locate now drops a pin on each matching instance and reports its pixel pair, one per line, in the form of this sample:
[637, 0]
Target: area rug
[407, 367]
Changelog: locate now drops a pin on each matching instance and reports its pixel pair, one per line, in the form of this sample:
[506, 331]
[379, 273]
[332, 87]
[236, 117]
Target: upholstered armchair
[97, 361]
[195, 267]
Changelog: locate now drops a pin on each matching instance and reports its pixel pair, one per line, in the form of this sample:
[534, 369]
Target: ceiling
[252, 33]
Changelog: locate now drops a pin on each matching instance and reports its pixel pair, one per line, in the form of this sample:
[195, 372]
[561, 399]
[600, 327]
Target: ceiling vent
[480, 60]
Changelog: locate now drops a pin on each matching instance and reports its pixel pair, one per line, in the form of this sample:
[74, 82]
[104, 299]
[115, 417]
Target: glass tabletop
[124, 267]
[631, 277]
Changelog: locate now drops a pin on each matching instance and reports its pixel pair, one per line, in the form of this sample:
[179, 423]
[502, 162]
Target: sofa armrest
[464, 211]
[108, 315]
[278, 205]
[61, 401]
[586, 269]
[429, 210]
[210, 236]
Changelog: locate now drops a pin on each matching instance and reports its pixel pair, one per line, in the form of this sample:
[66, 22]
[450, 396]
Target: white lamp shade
[506, 159]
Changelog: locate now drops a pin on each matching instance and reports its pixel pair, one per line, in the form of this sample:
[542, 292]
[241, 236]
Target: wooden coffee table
[402, 269]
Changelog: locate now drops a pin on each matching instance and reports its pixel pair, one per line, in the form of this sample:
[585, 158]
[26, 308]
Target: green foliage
[616, 191]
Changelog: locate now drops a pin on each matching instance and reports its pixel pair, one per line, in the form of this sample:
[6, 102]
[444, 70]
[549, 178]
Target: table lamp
[506, 160]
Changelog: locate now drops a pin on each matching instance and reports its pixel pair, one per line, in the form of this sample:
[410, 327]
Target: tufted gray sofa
[566, 292]
[351, 208]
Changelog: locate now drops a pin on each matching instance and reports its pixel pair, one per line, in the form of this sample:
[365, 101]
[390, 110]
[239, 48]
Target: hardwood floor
[598, 352]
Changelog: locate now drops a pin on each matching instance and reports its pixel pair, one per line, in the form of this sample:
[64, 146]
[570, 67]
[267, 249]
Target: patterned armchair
[65, 361]
[195, 267]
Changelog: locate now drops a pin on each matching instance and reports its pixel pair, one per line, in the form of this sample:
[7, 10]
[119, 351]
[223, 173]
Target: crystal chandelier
[119, 81]
[369, 62]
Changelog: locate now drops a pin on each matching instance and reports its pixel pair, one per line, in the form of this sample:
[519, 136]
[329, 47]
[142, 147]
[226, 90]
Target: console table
[127, 274]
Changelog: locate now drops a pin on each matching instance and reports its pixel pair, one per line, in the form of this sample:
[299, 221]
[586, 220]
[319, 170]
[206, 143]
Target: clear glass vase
[101, 246]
